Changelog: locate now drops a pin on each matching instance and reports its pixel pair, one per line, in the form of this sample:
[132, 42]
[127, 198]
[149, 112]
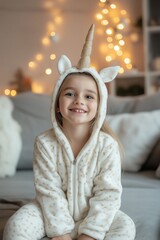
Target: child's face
[78, 100]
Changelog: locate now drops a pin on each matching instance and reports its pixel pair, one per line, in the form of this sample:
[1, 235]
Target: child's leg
[122, 228]
[25, 224]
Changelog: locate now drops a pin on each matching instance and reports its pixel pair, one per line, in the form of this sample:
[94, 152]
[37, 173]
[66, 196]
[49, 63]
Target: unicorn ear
[64, 64]
[108, 74]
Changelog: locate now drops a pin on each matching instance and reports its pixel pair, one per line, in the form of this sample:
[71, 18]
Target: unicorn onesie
[75, 195]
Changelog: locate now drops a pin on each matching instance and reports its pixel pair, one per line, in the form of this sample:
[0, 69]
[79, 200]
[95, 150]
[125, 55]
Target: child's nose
[79, 100]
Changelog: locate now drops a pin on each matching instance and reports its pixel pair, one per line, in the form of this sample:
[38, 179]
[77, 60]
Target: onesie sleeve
[49, 192]
[106, 198]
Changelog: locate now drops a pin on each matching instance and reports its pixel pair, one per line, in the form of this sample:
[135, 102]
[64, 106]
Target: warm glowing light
[116, 48]
[99, 16]
[120, 26]
[45, 41]
[105, 11]
[37, 88]
[7, 91]
[108, 58]
[99, 31]
[101, 4]
[109, 39]
[48, 71]
[52, 34]
[127, 60]
[13, 93]
[116, 19]
[122, 42]
[134, 37]
[121, 70]
[114, 23]
[94, 66]
[39, 57]
[50, 26]
[104, 22]
[110, 45]
[58, 20]
[53, 56]
[129, 66]
[119, 53]
[113, 6]
[103, 48]
[123, 12]
[31, 64]
[109, 31]
[118, 36]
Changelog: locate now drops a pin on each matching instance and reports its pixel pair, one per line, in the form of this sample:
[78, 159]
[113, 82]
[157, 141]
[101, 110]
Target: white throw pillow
[10, 139]
[138, 133]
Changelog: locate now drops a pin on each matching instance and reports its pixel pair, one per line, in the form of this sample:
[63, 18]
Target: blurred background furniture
[141, 188]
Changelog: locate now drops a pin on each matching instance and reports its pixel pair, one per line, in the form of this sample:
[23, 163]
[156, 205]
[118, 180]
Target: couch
[136, 120]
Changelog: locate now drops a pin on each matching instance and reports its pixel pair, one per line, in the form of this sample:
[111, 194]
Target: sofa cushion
[32, 111]
[143, 103]
[117, 105]
[153, 159]
[138, 133]
[147, 103]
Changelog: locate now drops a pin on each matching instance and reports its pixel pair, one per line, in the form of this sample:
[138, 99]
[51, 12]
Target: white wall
[23, 24]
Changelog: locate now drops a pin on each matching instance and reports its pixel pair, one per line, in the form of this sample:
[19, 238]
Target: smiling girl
[77, 166]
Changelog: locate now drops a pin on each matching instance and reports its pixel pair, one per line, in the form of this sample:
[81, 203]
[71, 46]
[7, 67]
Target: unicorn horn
[84, 61]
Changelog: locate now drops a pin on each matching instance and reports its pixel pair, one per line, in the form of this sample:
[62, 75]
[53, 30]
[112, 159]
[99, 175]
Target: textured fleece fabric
[79, 195]
[87, 188]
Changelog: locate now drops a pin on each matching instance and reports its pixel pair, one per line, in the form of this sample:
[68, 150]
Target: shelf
[153, 73]
[147, 58]
[132, 75]
[153, 29]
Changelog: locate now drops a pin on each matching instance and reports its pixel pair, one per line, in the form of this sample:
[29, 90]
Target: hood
[103, 76]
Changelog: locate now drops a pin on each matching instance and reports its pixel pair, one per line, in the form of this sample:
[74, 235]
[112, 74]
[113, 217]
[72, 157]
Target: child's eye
[89, 97]
[69, 94]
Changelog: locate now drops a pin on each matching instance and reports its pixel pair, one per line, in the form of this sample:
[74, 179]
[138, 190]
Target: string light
[99, 16]
[13, 93]
[7, 92]
[45, 41]
[31, 64]
[108, 58]
[122, 42]
[104, 22]
[39, 57]
[113, 6]
[53, 56]
[109, 31]
[48, 71]
[114, 22]
[105, 11]
[127, 60]
[109, 39]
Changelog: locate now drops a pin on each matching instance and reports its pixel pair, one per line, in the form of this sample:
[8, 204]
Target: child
[76, 164]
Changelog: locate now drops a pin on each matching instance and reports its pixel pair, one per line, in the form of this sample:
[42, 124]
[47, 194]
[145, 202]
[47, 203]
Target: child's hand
[85, 237]
[64, 237]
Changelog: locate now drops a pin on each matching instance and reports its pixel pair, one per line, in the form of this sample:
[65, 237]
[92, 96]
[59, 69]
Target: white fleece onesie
[79, 195]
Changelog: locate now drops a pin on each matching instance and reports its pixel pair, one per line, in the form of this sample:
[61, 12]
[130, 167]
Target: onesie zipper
[74, 172]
